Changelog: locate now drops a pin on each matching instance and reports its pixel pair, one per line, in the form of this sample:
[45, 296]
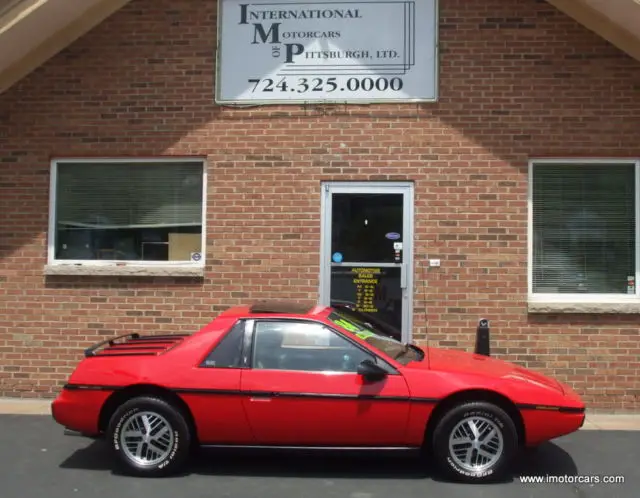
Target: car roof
[279, 308]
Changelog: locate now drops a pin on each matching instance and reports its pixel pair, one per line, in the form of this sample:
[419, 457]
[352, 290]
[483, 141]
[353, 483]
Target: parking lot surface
[37, 460]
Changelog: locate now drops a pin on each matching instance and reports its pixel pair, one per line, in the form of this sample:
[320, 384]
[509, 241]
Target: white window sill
[125, 270]
[613, 306]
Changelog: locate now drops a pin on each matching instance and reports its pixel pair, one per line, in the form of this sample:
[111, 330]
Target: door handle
[403, 276]
[261, 396]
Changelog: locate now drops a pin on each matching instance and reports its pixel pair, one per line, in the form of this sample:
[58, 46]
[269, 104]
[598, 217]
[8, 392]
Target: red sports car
[276, 375]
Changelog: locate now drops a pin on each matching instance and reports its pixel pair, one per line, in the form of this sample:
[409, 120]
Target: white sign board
[288, 51]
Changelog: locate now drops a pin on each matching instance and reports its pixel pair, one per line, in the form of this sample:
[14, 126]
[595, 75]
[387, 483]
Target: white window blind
[584, 228]
[121, 195]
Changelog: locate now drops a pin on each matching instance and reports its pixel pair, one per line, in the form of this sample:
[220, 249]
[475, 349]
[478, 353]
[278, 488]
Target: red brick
[553, 89]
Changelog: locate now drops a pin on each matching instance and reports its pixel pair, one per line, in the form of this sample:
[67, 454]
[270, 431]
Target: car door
[211, 389]
[302, 388]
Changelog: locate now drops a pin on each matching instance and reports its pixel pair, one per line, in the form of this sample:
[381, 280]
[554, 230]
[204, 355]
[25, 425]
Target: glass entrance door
[367, 252]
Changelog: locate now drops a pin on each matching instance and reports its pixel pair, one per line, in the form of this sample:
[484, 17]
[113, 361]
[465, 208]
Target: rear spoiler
[134, 344]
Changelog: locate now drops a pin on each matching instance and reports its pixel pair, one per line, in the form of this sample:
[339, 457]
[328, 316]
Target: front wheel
[475, 442]
[149, 436]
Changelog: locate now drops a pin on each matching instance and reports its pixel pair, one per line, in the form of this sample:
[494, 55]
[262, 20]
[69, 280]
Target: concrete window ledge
[584, 307]
[125, 270]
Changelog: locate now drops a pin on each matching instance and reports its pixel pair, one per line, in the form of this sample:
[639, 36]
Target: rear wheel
[149, 436]
[475, 442]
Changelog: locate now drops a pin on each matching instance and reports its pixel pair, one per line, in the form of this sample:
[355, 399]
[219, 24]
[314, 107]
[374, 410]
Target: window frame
[250, 345]
[107, 263]
[573, 297]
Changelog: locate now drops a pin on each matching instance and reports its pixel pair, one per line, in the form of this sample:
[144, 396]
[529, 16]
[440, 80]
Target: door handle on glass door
[403, 276]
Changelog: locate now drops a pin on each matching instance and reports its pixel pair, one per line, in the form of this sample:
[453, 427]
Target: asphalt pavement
[37, 460]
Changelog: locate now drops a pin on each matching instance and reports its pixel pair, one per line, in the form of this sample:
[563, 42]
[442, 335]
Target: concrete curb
[594, 422]
[9, 406]
[612, 422]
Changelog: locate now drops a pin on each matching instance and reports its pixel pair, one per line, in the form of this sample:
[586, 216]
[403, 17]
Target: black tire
[446, 460]
[178, 449]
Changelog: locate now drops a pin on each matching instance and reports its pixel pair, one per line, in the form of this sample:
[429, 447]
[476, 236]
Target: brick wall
[518, 79]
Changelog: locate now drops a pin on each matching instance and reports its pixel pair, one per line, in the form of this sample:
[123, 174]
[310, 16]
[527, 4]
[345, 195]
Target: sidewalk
[594, 422]
[612, 422]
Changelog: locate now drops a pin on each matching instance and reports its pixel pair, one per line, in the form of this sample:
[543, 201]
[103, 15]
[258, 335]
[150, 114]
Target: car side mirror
[370, 371]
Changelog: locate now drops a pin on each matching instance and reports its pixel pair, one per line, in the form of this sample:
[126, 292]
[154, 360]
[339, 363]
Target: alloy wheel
[476, 444]
[146, 438]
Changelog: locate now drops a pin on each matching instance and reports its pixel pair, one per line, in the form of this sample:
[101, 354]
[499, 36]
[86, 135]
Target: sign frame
[320, 102]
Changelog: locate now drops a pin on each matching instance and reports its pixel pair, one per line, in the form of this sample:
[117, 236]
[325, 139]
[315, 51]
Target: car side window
[228, 352]
[303, 346]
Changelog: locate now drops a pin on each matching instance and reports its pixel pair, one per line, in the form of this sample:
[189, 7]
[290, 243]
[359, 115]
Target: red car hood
[458, 361]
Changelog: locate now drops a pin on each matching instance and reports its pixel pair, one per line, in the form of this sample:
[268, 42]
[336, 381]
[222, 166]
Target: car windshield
[402, 353]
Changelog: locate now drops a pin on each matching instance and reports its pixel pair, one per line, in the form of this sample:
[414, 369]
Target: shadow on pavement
[549, 459]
